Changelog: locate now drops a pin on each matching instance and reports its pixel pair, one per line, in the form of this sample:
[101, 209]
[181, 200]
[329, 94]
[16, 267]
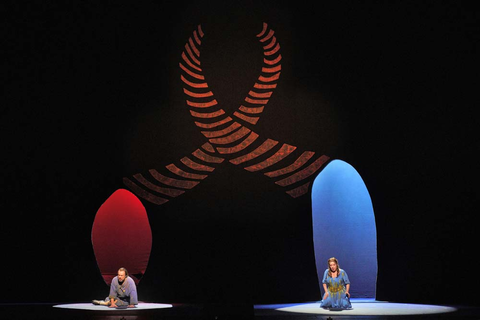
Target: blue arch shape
[344, 227]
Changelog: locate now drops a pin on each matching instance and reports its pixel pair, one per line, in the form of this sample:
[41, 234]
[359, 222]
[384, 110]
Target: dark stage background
[92, 93]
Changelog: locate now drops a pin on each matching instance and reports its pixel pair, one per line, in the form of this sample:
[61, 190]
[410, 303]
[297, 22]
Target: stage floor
[362, 309]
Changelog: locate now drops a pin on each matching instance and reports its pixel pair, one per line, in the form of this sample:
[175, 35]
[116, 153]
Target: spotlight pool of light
[90, 306]
[365, 308]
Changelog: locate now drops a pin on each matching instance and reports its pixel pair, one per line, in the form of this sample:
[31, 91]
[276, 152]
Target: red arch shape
[121, 236]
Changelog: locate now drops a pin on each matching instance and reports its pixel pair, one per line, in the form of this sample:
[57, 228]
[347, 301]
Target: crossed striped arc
[229, 138]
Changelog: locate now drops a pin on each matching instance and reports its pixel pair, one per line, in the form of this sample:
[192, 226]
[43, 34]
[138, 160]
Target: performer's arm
[133, 299]
[133, 294]
[347, 283]
[324, 281]
[113, 295]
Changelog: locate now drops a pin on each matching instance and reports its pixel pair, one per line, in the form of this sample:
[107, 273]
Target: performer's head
[122, 274]
[332, 265]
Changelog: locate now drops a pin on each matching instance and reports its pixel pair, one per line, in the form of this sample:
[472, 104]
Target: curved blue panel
[344, 227]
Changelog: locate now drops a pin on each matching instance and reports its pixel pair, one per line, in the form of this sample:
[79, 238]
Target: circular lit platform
[90, 306]
[364, 308]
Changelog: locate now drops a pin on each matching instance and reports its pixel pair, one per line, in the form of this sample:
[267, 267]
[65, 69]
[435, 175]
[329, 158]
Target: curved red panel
[251, 110]
[196, 166]
[255, 101]
[212, 125]
[143, 193]
[184, 184]
[299, 191]
[237, 135]
[263, 30]
[252, 120]
[202, 104]
[190, 63]
[190, 54]
[191, 73]
[269, 35]
[166, 191]
[272, 70]
[121, 236]
[269, 79]
[265, 86]
[304, 157]
[271, 44]
[197, 39]
[205, 157]
[219, 133]
[207, 115]
[284, 151]
[272, 52]
[208, 147]
[193, 84]
[266, 146]
[239, 147]
[179, 172]
[304, 173]
[198, 95]
[274, 61]
[194, 48]
[254, 94]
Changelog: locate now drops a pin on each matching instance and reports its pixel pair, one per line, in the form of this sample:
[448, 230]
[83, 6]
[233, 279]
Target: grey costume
[125, 293]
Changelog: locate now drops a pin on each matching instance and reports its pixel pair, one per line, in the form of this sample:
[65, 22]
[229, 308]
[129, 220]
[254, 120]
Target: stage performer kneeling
[336, 285]
[123, 292]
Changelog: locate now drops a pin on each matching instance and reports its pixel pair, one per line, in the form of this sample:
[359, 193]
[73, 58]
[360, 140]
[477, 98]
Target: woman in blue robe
[336, 285]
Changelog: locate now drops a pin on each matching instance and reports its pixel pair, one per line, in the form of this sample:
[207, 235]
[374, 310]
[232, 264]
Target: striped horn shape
[229, 138]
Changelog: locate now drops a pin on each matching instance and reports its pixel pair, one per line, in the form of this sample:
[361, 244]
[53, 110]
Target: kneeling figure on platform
[123, 292]
[336, 286]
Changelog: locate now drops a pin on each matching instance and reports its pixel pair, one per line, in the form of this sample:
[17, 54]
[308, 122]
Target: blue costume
[336, 287]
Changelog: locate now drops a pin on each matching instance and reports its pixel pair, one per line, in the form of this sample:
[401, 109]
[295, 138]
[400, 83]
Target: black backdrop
[92, 93]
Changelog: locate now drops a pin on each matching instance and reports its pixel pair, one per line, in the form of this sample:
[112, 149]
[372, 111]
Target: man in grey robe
[123, 292]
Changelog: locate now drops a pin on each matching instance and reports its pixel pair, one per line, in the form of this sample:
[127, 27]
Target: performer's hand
[325, 296]
[113, 305]
[347, 294]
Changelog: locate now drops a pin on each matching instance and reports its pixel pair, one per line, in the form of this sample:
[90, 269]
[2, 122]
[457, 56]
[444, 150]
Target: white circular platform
[91, 306]
[370, 309]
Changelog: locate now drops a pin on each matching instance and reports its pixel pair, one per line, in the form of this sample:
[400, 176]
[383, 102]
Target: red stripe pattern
[230, 136]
